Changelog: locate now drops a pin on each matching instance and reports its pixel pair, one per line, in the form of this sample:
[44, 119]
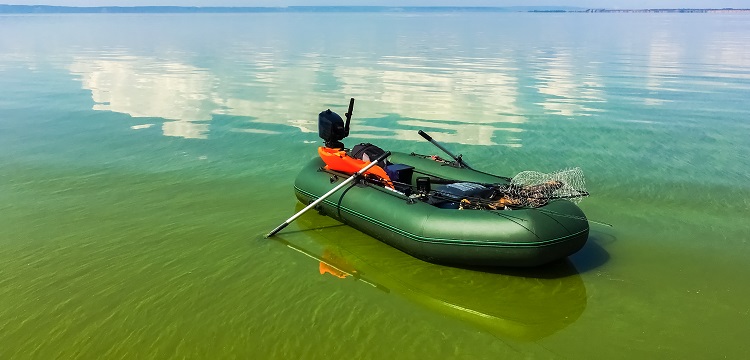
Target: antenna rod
[349, 116]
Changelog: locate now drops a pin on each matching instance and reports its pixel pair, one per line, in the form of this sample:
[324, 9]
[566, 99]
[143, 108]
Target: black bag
[449, 196]
[367, 152]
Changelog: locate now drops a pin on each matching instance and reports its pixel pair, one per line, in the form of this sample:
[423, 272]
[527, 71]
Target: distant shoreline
[724, 10]
[49, 9]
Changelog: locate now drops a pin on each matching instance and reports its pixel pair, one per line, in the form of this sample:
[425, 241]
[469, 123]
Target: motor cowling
[331, 129]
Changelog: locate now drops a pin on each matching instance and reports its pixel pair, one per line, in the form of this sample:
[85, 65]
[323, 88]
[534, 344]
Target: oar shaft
[329, 193]
[429, 138]
[312, 205]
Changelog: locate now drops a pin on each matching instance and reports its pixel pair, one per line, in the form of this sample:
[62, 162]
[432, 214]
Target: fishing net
[533, 189]
[537, 188]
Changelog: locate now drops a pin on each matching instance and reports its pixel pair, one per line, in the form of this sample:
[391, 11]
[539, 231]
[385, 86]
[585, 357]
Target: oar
[458, 158]
[320, 199]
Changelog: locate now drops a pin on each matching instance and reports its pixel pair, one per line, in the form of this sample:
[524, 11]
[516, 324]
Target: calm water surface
[144, 156]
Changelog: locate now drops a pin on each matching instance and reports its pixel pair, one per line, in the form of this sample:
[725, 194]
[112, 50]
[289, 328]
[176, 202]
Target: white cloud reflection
[729, 57]
[568, 93]
[663, 65]
[144, 87]
[469, 101]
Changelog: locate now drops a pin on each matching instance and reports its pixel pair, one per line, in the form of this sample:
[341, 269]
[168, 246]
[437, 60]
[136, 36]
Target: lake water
[144, 157]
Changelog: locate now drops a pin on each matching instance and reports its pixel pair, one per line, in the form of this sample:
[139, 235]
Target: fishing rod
[550, 212]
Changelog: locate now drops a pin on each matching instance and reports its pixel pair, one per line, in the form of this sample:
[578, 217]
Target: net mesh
[533, 189]
[540, 187]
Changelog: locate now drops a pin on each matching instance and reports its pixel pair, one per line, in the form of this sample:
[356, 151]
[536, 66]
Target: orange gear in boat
[338, 160]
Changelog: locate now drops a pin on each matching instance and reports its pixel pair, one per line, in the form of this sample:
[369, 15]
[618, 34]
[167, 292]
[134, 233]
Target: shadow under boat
[525, 305]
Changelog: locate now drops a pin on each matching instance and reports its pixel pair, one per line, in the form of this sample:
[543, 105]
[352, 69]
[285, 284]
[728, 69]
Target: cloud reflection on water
[146, 88]
[730, 57]
[663, 65]
[462, 100]
[470, 100]
[567, 92]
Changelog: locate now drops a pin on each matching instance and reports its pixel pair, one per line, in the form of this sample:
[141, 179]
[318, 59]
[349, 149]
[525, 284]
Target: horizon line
[519, 8]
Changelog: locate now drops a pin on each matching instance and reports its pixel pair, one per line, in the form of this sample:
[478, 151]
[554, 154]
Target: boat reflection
[523, 305]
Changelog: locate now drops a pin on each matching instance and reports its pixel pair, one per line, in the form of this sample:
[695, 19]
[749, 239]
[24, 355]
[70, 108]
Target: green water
[144, 156]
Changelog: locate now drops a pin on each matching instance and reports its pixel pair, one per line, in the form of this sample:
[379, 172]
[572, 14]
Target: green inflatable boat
[442, 211]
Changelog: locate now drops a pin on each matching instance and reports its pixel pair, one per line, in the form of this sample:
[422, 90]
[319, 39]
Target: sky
[610, 4]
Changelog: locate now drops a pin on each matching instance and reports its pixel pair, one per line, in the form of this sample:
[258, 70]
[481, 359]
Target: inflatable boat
[441, 211]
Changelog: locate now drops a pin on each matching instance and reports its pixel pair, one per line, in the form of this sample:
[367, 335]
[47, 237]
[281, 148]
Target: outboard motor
[331, 127]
